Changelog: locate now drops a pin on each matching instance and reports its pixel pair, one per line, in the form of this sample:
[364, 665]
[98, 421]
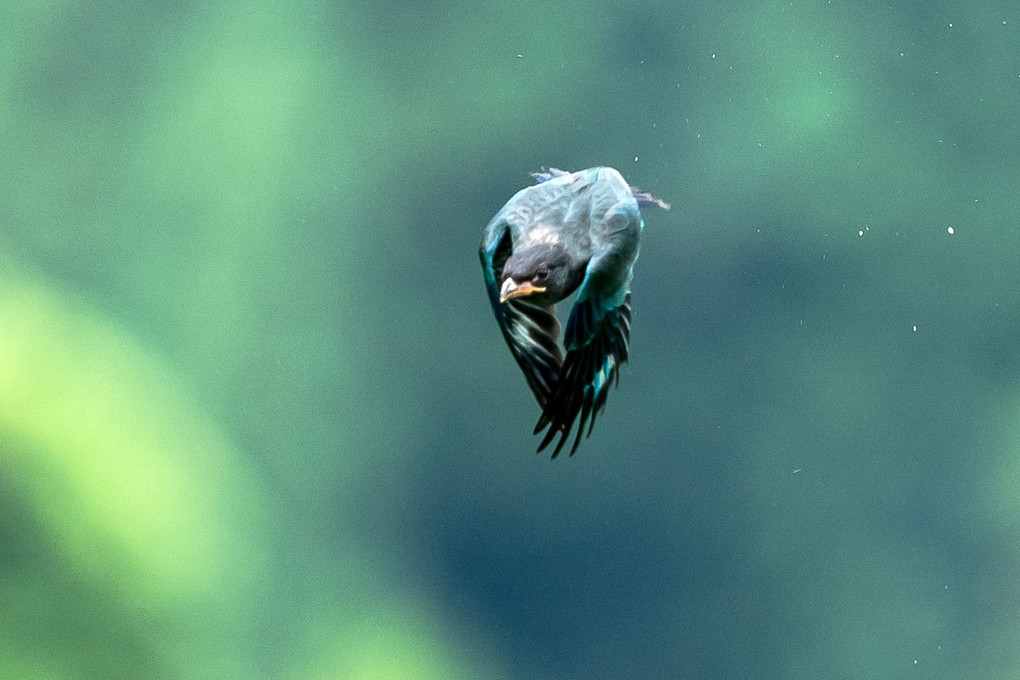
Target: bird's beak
[511, 289]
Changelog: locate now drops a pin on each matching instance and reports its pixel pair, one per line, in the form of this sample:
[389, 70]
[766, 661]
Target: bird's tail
[545, 175]
[645, 199]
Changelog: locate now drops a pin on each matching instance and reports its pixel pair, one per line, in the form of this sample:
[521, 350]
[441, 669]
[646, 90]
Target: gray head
[541, 272]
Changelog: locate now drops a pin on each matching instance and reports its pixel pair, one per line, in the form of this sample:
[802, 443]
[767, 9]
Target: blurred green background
[256, 420]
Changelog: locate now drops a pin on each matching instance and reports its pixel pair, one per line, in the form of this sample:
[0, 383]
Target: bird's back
[569, 209]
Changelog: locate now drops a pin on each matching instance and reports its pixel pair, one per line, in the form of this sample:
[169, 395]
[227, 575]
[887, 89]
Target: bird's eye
[541, 274]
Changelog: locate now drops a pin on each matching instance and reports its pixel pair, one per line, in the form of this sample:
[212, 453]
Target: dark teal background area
[257, 421]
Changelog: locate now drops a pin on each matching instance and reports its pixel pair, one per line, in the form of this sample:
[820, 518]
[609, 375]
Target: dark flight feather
[597, 347]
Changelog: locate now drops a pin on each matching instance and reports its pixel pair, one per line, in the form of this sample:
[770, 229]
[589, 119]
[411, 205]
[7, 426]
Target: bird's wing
[531, 331]
[598, 330]
[599, 342]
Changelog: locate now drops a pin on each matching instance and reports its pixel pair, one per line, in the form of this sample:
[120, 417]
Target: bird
[572, 232]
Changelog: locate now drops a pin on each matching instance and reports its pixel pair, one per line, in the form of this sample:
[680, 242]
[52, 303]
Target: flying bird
[573, 231]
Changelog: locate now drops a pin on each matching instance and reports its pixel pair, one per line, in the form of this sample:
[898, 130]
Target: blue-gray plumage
[571, 232]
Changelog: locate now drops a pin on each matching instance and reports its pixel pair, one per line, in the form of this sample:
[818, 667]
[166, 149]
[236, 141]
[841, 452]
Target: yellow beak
[511, 289]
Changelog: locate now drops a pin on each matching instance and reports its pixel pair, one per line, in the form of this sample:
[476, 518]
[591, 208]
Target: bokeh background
[256, 420]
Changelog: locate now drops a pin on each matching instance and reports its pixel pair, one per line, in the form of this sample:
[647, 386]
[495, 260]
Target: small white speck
[951, 231]
[635, 159]
[713, 55]
[860, 232]
[797, 470]
[520, 56]
[950, 25]
[914, 328]
[915, 662]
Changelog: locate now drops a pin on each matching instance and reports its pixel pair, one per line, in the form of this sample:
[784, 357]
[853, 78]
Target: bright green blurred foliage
[256, 420]
[131, 526]
[168, 162]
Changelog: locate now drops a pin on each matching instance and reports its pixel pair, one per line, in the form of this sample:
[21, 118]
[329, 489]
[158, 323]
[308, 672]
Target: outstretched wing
[597, 342]
[531, 331]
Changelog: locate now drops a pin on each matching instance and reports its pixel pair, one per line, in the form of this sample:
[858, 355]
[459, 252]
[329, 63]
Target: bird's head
[541, 271]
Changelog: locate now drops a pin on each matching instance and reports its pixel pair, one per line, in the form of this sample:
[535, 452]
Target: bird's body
[571, 232]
